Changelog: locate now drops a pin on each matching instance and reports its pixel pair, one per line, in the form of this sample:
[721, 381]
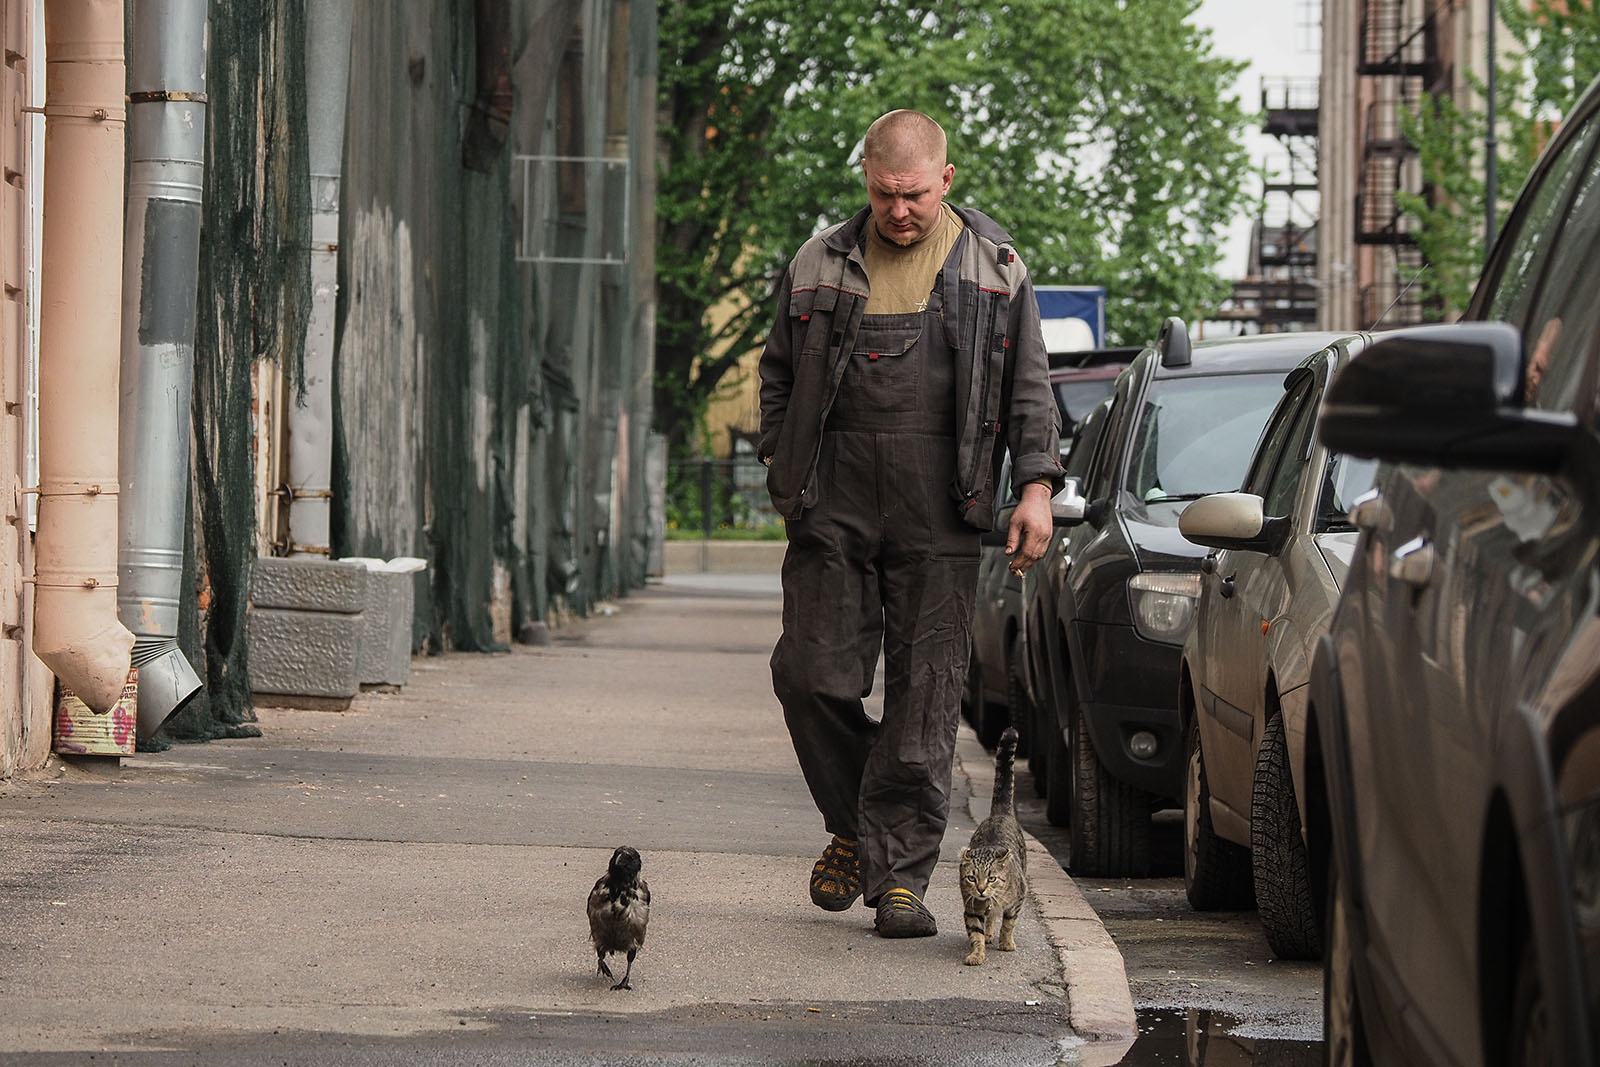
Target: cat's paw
[1007, 943]
[974, 957]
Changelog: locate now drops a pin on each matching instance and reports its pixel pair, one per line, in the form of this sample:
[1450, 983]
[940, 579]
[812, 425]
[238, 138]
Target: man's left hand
[1031, 527]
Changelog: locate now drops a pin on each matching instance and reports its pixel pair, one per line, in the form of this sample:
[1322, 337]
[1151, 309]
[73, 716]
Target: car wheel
[1281, 869]
[1216, 871]
[1110, 819]
[1343, 1032]
[1531, 1040]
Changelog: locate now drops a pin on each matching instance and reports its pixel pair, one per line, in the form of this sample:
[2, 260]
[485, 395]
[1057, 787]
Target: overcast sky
[1277, 38]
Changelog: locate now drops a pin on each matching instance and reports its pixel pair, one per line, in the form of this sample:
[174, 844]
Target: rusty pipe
[76, 631]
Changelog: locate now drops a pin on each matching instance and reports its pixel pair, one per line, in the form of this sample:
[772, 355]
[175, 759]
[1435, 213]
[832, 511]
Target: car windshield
[1346, 479]
[1195, 435]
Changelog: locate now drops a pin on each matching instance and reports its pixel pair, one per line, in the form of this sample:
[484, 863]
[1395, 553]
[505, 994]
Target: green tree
[1099, 134]
[1553, 54]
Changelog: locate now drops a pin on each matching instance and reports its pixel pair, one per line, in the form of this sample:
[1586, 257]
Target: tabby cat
[994, 865]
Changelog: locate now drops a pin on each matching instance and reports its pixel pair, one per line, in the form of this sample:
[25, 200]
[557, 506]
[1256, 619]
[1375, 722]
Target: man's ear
[949, 174]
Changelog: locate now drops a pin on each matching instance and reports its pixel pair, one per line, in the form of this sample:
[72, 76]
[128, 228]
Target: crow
[619, 909]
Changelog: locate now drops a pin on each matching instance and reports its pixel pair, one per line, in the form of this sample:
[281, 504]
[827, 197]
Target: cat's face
[983, 872]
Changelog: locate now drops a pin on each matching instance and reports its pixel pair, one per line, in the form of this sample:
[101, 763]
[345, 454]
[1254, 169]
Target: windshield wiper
[1174, 498]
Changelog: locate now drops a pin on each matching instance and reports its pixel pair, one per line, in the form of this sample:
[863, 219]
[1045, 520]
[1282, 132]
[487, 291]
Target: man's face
[905, 203]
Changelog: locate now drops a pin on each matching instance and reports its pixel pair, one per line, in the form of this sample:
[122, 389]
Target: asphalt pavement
[405, 880]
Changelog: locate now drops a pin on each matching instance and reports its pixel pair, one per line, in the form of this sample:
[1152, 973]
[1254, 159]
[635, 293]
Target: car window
[1509, 292]
[1343, 482]
[1280, 426]
[1075, 398]
[1098, 478]
[1279, 499]
[1560, 328]
[1196, 435]
[1090, 431]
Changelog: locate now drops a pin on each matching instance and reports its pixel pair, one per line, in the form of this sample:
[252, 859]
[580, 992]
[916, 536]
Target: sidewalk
[421, 862]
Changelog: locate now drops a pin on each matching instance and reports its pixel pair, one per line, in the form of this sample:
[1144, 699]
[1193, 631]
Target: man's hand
[1031, 527]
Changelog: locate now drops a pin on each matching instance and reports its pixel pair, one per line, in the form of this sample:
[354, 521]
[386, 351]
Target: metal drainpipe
[76, 633]
[161, 264]
[311, 413]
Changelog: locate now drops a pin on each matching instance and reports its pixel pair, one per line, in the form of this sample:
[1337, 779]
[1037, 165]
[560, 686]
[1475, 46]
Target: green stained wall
[491, 415]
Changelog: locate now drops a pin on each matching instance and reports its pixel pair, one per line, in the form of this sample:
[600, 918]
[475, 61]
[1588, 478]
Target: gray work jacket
[991, 321]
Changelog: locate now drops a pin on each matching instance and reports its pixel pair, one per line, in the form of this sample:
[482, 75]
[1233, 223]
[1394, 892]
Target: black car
[1000, 689]
[1183, 423]
[1453, 742]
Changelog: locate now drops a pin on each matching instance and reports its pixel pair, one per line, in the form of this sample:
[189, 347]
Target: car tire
[1216, 871]
[1531, 1042]
[1343, 1029]
[1281, 869]
[1109, 825]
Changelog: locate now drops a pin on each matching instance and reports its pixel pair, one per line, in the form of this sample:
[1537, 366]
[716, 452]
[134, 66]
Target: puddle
[1196, 1037]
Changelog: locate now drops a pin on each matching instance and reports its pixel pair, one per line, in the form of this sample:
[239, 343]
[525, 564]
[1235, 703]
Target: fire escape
[1398, 62]
[1279, 290]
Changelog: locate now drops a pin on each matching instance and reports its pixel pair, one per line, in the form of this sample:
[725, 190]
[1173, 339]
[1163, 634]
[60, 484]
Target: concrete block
[305, 583]
[386, 630]
[312, 654]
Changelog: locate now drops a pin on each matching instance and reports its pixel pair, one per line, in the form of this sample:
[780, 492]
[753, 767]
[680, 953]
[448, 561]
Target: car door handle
[1227, 586]
[1413, 562]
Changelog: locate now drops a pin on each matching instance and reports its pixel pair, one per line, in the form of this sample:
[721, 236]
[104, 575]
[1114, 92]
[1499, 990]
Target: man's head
[903, 160]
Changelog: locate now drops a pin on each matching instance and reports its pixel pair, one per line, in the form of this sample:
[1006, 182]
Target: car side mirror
[1444, 396]
[1067, 507]
[1235, 521]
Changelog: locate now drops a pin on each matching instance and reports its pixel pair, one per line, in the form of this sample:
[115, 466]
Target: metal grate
[557, 197]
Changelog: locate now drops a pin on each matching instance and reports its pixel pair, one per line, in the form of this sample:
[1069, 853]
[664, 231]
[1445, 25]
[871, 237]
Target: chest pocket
[883, 375]
[811, 315]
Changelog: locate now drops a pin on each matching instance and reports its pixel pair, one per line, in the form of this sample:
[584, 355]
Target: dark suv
[1453, 734]
[1183, 422]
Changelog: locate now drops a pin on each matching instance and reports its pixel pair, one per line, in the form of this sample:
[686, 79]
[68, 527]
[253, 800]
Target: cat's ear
[1001, 855]
[965, 852]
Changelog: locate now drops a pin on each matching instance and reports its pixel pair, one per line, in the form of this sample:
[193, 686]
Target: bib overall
[882, 561]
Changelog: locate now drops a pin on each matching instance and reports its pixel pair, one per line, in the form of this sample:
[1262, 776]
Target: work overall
[882, 559]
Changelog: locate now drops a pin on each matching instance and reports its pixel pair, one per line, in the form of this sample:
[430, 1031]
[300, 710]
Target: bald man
[905, 358]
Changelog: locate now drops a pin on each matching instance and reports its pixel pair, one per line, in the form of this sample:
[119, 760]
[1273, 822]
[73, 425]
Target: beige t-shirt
[903, 276]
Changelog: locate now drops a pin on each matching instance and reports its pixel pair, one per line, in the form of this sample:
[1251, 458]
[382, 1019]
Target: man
[905, 357]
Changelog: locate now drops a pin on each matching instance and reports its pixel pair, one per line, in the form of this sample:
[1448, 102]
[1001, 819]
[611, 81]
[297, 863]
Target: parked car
[1453, 733]
[1039, 598]
[1280, 548]
[1183, 423]
[999, 688]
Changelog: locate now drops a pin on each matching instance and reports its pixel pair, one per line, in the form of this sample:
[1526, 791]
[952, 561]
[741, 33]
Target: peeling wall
[488, 410]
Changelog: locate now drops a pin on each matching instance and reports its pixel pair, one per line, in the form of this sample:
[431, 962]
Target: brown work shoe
[836, 878]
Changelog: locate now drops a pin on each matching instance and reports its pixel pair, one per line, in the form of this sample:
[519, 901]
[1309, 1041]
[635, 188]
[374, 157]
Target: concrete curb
[1099, 1003]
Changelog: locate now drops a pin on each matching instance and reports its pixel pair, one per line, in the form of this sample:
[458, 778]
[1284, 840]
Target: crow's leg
[602, 961]
[632, 952]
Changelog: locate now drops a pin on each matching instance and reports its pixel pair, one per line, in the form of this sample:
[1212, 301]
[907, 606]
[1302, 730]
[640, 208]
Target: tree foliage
[1100, 134]
[1553, 54]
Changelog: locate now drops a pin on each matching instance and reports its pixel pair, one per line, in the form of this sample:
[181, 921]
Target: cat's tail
[1005, 758]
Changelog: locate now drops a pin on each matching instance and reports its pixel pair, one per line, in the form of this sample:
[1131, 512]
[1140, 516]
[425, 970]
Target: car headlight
[1163, 605]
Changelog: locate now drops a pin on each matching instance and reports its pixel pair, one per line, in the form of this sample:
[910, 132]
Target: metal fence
[718, 497]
